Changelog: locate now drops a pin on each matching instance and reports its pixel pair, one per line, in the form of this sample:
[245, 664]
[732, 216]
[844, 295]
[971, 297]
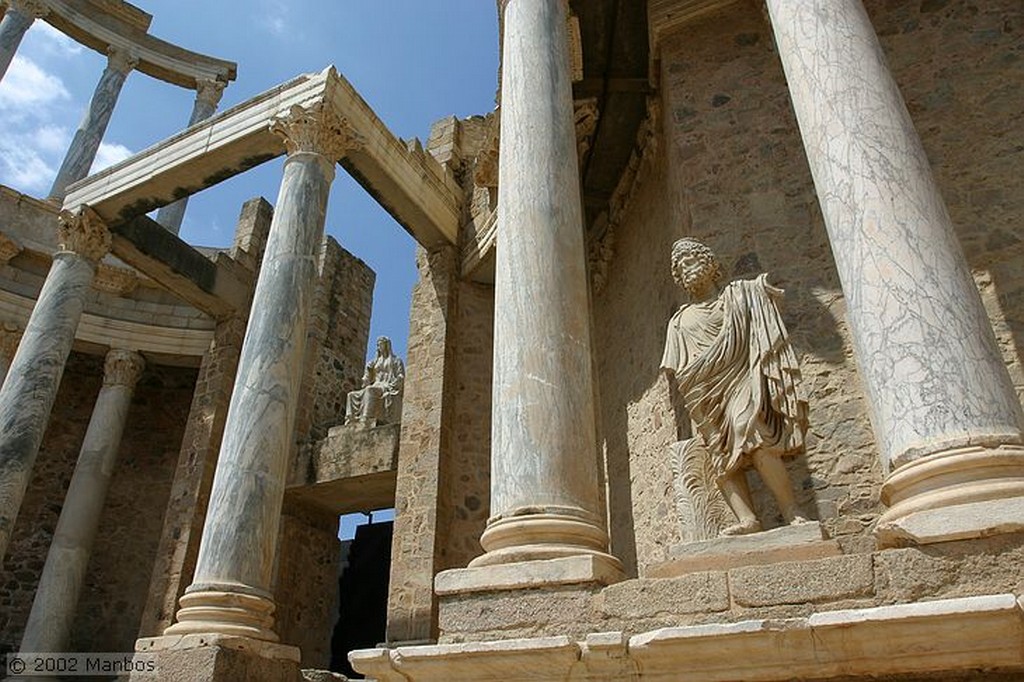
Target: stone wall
[731, 170]
[117, 581]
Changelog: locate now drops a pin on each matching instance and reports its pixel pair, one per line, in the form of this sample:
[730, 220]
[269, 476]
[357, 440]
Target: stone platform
[214, 657]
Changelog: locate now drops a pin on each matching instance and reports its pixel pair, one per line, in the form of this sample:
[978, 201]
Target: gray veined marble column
[86, 142]
[231, 590]
[944, 412]
[545, 500]
[53, 609]
[208, 94]
[30, 388]
[17, 19]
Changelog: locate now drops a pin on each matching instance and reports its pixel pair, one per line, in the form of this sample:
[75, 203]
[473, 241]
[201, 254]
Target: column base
[958, 494]
[549, 533]
[214, 657]
[225, 613]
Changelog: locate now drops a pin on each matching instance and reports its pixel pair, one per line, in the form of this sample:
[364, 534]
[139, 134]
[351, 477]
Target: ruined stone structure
[866, 154]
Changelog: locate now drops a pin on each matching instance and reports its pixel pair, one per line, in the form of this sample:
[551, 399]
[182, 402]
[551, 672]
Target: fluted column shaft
[231, 590]
[60, 585]
[86, 142]
[545, 501]
[31, 386]
[942, 404]
[208, 94]
[17, 20]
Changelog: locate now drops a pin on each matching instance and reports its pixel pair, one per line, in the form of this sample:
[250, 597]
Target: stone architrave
[231, 589]
[943, 408]
[19, 16]
[86, 142]
[545, 497]
[208, 94]
[60, 585]
[379, 401]
[729, 353]
[31, 386]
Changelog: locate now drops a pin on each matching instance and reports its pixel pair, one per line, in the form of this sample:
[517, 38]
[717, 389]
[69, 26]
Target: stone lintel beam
[157, 58]
[415, 189]
[218, 287]
[665, 16]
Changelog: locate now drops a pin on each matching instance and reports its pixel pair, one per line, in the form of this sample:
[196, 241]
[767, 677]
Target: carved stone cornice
[122, 368]
[32, 8]
[316, 130]
[121, 59]
[586, 113]
[209, 91]
[83, 233]
[9, 248]
[114, 280]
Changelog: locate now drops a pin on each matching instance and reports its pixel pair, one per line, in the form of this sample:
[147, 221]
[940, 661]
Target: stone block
[788, 543]
[644, 598]
[807, 582]
[959, 522]
[576, 570]
[213, 657]
[521, 613]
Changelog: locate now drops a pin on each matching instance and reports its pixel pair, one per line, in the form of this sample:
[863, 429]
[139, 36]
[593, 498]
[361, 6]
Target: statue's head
[383, 346]
[694, 266]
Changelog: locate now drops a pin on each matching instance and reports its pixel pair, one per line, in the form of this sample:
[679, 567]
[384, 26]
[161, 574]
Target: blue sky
[413, 61]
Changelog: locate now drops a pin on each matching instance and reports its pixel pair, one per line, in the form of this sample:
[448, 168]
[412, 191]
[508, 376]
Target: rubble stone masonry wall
[730, 169]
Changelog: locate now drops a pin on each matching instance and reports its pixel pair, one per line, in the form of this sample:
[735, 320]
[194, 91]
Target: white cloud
[51, 139]
[108, 154]
[23, 167]
[54, 42]
[26, 86]
[274, 18]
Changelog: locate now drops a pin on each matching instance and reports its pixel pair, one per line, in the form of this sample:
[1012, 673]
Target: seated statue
[379, 401]
[730, 355]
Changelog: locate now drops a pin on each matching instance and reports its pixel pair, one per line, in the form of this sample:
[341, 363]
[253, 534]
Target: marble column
[10, 337]
[231, 590]
[30, 388]
[53, 609]
[945, 415]
[208, 94]
[545, 500]
[16, 21]
[86, 142]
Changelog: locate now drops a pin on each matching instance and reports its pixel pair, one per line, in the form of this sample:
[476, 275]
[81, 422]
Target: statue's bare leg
[776, 478]
[737, 495]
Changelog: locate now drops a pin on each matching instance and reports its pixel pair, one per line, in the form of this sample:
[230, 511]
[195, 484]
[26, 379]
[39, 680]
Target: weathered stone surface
[824, 580]
[483, 616]
[706, 592]
[211, 658]
[572, 570]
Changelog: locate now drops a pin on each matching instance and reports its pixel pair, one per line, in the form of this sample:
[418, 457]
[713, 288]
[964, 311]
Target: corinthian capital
[209, 91]
[318, 130]
[122, 368]
[83, 233]
[31, 8]
[121, 59]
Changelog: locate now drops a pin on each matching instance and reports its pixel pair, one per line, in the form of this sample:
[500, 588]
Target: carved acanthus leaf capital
[122, 368]
[32, 8]
[209, 91]
[83, 233]
[121, 59]
[317, 129]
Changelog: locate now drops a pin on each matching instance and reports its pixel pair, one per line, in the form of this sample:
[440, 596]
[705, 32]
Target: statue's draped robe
[381, 395]
[738, 374]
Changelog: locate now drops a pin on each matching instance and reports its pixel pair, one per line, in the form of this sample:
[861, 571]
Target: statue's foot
[743, 528]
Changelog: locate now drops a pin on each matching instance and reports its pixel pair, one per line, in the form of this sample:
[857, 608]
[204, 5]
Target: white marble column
[16, 21]
[53, 609]
[944, 412]
[545, 501]
[231, 590]
[31, 386]
[208, 94]
[86, 142]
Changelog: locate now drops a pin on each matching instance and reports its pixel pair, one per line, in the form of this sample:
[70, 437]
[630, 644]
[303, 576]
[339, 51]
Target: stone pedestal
[53, 609]
[86, 142]
[943, 408]
[545, 500]
[31, 386]
[231, 590]
[215, 658]
[208, 94]
[16, 21]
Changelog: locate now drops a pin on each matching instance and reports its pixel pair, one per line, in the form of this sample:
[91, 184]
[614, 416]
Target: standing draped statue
[730, 355]
[379, 401]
